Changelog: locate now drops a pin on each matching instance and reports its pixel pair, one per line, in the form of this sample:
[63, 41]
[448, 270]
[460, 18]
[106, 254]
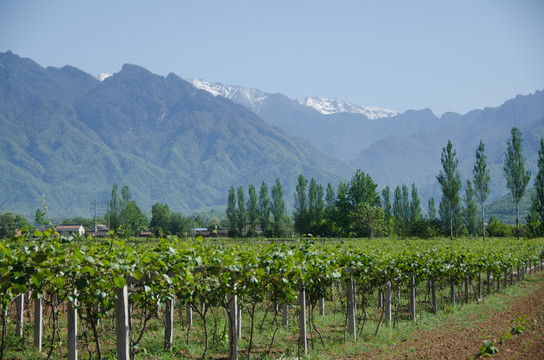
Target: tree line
[356, 208]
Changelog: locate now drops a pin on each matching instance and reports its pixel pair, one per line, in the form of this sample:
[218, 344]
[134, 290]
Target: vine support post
[467, 292]
[122, 323]
[303, 338]
[498, 282]
[169, 324]
[479, 286]
[351, 309]
[38, 323]
[189, 311]
[505, 277]
[512, 276]
[239, 323]
[20, 303]
[285, 315]
[489, 282]
[413, 298]
[72, 330]
[433, 297]
[322, 306]
[233, 326]
[388, 303]
[380, 299]
[452, 292]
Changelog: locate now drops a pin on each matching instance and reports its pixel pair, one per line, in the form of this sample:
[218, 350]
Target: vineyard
[228, 299]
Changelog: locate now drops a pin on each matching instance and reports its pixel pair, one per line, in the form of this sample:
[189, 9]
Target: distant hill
[333, 125]
[69, 136]
[504, 208]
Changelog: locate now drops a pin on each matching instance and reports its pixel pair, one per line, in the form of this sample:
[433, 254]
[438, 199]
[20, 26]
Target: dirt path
[463, 340]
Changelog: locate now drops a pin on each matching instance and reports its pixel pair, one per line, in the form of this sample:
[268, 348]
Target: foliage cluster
[199, 273]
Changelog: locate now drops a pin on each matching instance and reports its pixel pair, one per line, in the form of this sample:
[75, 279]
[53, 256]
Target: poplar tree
[516, 176]
[415, 205]
[278, 207]
[481, 180]
[264, 208]
[471, 209]
[450, 181]
[431, 209]
[536, 215]
[231, 211]
[115, 209]
[386, 203]
[315, 206]
[398, 212]
[300, 214]
[252, 209]
[241, 211]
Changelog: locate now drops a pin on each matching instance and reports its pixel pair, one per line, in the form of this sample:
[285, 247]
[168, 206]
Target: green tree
[450, 181]
[362, 189]
[231, 212]
[160, 219]
[369, 220]
[415, 205]
[264, 208]
[252, 210]
[300, 214]
[115, 209]
[470, 209]
[431, 209]
[481, 180]
[117, 205]
[386, 203]
[329, 211]
[134, 220]
[241, 215]
[535, 218]
[315, 206]
[39, 217]
[278, 208]
[180, 225]
[452, 220]
[9, 224]
[398, 211]
[78, 220]
[343, 209]
[516, 176]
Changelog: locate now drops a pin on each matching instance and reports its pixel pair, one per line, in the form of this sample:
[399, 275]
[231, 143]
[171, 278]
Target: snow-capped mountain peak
[103, 76]
[329, 106]
[255, 99]
[251, 98]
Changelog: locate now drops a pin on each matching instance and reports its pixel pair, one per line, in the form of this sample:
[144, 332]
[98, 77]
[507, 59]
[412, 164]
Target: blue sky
[444, 55]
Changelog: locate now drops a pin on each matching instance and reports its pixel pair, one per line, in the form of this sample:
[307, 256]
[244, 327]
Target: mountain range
[400, 148]
[69, 136]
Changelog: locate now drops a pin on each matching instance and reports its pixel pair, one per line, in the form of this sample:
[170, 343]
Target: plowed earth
[463, 339]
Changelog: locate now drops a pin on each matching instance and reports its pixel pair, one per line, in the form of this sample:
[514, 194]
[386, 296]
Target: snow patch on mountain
[329, 106]
[103, 76]
[251, 98]
[255, 99]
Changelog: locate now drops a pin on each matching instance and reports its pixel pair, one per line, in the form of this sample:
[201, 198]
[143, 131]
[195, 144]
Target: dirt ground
[463, 341]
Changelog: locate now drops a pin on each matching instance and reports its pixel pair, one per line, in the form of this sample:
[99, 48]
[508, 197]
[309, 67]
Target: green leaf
[119, 281]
